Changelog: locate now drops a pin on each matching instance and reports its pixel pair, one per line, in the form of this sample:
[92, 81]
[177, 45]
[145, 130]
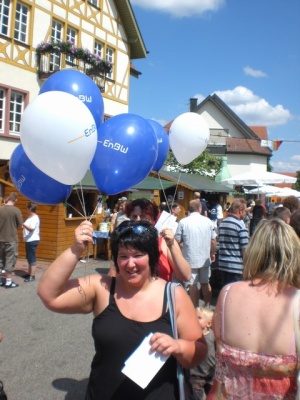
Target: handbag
[297, 336]
[186, 391]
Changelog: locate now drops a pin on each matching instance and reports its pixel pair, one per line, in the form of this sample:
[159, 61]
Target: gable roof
[134, 37]
[246, 146]
[260, 131]
[230, 115]
[195, 182]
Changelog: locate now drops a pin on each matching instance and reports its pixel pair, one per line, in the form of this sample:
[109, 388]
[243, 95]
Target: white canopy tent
[266, 190]
[258, 179]
[284, 192]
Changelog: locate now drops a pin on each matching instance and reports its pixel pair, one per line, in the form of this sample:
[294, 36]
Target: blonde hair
[208, 312]
[273, 254]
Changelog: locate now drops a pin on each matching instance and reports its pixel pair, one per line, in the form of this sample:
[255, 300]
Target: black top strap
[112, 288]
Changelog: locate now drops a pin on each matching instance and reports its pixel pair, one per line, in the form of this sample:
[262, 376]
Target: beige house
[106, 29]
[36, 37]
[231, 138]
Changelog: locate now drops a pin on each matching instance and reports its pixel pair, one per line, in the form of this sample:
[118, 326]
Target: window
[71, 37]
[98, 49]
[2, 107]
[21, 22]
[4, 16]
[15, 112]
[12, 104]
[109, 57]
[56, 35]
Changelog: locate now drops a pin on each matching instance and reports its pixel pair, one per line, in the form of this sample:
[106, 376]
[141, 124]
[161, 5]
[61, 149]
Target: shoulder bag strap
[171, 288]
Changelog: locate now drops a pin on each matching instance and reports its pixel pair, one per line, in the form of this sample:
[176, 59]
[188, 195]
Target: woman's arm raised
[58, 292]
[179, 264]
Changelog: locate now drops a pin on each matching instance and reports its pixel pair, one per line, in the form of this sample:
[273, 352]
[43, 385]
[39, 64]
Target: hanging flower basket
[96, 62]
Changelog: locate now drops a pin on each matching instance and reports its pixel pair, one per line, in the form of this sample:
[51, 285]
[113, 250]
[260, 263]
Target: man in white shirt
[197, 236]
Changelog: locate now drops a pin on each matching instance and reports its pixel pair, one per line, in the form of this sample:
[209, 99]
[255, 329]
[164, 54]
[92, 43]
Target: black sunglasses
[139, 229]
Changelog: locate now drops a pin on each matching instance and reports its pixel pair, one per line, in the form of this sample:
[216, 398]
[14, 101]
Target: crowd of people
[244, 348]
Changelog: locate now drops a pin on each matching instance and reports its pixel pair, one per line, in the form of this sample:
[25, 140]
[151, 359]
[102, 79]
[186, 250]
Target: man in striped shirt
[233, 239]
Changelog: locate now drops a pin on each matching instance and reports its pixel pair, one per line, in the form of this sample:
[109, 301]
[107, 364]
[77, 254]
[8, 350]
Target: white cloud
[199, 98]
[179, 8]
[255, 73]
[281, 166]
[252, 109]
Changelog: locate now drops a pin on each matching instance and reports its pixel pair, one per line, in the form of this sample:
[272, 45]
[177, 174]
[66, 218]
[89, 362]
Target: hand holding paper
[151, 364]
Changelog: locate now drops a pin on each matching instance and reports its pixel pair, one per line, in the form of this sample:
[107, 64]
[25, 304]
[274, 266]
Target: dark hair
[140, 235]
[13, 197]
[281, 212]
[292, 203]
[148, 208]
[295, 222]
[32, 206]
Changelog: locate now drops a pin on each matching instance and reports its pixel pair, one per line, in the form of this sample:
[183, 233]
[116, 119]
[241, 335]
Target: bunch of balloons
[58, 137]
[63, 134]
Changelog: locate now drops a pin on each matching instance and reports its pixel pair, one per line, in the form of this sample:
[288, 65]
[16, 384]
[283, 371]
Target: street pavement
[44, 355]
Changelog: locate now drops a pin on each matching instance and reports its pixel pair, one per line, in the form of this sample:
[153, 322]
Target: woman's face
[138, 214]
[133, 265]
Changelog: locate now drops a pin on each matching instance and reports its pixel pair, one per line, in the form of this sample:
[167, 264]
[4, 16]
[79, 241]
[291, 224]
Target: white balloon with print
[59, 136]
[188, 137]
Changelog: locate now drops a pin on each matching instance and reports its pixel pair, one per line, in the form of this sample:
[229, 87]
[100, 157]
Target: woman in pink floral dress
[253, 320]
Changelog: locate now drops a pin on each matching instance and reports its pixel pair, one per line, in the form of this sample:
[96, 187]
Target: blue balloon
[33, 183]
[162, 142]
[80, 85]
[125, 155]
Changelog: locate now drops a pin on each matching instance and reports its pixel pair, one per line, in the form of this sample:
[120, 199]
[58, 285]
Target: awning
[87, 182]
[195, 182]
[149, 183]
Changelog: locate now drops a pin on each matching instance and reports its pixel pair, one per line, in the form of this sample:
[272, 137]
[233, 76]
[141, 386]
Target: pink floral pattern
[246, 375]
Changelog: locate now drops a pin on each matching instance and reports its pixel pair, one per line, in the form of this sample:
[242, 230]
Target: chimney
[193, 104]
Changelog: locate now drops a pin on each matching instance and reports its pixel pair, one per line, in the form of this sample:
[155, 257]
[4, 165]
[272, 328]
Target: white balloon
[59, 136]
[188, 137]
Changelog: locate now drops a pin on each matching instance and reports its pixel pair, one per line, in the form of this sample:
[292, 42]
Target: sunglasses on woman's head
[135, 228]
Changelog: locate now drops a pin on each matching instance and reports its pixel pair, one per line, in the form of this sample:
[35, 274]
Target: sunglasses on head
[135, 229]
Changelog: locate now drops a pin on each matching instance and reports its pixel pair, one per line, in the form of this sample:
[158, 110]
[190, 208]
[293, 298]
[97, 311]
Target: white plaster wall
[216, 120]
[240, 163]
[7, 148]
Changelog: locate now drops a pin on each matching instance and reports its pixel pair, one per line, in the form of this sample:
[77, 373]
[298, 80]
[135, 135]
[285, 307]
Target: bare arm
[58, 292]
[190, 349]
[113, 223]
[213, 249]
[178, 263]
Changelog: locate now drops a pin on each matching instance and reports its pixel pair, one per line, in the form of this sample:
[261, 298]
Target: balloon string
[81, 200]
[164, 193]
[176, 189]
[82, 203]
[70, 205]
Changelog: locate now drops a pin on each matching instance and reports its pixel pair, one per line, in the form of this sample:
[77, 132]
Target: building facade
[40, 37]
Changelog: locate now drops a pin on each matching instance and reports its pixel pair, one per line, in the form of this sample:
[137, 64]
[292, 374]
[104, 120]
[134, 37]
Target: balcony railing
[54, 56]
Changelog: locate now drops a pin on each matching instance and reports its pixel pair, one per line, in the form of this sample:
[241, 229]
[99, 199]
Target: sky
[245, 51]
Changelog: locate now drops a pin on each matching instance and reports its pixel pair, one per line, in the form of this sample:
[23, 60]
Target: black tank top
[115, 338]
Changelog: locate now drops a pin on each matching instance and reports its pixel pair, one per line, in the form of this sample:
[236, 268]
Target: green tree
[296, 185]
[205, 164]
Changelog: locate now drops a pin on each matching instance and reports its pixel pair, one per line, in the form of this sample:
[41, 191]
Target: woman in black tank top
[126, 309]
